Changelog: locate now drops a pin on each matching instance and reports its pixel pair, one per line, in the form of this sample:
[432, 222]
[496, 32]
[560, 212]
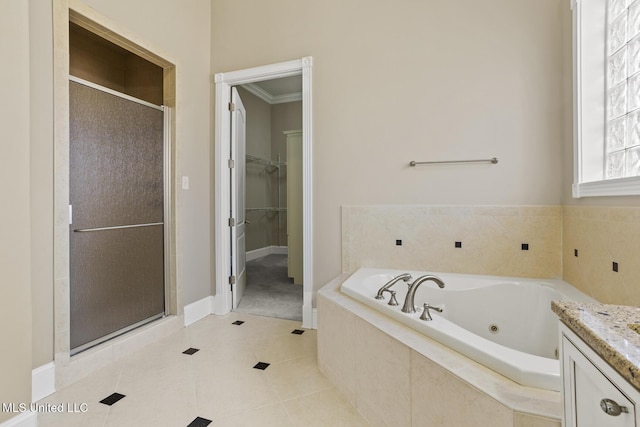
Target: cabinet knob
[612, 408]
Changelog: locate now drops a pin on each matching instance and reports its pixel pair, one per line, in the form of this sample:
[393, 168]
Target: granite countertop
[610, 330]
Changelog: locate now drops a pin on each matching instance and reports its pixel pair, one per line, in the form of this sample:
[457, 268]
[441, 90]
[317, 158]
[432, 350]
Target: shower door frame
[166, 211]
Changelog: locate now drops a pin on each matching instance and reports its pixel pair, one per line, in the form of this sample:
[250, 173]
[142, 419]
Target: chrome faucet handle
[392, 299]
[426, 315]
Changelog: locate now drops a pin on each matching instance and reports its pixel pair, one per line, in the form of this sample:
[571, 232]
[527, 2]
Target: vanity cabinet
[595, 395]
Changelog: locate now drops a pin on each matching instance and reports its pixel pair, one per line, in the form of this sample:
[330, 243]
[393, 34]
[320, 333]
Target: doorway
[272, 284]
[224, 243]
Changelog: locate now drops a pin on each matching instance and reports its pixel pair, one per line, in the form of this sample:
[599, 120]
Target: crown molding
[270, 99]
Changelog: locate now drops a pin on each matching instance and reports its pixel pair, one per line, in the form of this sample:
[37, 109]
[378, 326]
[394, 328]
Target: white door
[238, 142]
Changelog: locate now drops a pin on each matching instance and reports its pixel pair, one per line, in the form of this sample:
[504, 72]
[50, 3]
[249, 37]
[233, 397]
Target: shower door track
[115, 334]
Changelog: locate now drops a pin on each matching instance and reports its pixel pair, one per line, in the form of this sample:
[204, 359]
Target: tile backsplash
[601, 252]
[523, 241]
[596, 249]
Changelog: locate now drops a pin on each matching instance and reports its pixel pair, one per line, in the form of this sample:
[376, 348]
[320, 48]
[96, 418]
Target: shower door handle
[117, 227]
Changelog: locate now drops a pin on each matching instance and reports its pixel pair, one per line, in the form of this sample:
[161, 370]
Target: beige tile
[269, 416]
[286, 347]
[527, 420]
[232, 388]
[382, 375]
[428, 232]
[336, 346]
[89, 391]
[441, 399]
[325, 408]
[297, 377]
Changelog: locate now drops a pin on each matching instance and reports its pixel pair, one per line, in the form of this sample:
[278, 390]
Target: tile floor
[217, 372]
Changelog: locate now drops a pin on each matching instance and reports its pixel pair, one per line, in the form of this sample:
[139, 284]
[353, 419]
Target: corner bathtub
[503, 323]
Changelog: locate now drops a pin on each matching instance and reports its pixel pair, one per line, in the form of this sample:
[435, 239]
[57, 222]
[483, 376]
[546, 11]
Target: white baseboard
[259, 253]
[43, 381]
[198, 310]
[25, 419]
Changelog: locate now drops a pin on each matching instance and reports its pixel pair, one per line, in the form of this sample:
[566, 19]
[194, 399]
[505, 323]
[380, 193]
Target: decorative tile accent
[615, 266]
[200, 422]
[398, 242]
[298, 332]
[113, 398]
[190, 351]
[261, 365]
[458, 244]
[525, 246]
[575, 253]
[238, 322]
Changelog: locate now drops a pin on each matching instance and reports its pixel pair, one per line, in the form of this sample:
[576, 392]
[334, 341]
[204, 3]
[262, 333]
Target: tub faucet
[404, 276]
[408, 306]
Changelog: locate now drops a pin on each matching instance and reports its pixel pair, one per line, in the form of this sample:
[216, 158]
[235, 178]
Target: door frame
[223, 83]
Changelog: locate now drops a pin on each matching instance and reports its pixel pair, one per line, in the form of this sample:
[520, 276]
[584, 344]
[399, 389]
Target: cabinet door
[585, 388]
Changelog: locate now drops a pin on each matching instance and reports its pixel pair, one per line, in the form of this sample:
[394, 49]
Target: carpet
[269, 292]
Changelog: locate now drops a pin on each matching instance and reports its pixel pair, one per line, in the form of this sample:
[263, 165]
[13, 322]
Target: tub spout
[408, 306]
[405, 276]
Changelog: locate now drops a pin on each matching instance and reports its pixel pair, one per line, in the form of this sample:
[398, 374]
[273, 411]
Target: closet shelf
[265, 162]
[265, 209]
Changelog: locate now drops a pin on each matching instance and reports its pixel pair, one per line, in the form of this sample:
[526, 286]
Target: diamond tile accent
[261, 365]
[199, 422]
[238, 322]
[190, 351]
[525, 246]
[111, 399]
[298, 332]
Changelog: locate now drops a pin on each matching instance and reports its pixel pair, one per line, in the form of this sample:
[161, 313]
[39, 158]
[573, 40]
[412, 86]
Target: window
[606, 97]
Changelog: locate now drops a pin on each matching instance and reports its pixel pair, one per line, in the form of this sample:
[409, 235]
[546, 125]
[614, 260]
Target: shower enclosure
[117, 205]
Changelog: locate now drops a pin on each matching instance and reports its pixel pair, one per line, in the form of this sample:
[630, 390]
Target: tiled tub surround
[503, 323]
[522, 241]
[594, 238]
[398, 377]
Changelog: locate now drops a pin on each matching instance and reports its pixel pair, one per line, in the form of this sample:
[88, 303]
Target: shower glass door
[116, 192]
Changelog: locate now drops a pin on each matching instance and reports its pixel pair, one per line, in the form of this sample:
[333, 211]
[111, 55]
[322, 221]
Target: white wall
[414, 80]
[15, 225]
[41, 57]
